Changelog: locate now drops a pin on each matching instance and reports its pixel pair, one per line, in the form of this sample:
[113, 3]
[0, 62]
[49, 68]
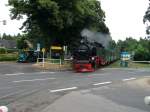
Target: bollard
[3, 109]
[147, 100]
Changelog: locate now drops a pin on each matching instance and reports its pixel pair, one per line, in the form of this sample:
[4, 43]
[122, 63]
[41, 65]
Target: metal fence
[59, 62]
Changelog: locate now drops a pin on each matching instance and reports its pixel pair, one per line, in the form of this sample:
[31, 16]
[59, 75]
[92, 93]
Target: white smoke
[99, 37]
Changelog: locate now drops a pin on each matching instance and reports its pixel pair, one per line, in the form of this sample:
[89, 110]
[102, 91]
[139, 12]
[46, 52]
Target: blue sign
[125, 56]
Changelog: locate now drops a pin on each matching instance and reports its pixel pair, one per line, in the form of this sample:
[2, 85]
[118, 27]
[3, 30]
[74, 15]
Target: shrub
[12, 50]
[2, 50]
[8, 57]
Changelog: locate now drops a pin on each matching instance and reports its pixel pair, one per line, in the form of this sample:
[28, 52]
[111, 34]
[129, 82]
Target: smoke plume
[99, 37]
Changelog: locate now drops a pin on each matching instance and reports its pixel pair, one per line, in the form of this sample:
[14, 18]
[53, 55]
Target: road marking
[15, 74]
[129, 79]
[33, 80]
[48, 72]
[102, 83]
[65, 89]
[97, 74]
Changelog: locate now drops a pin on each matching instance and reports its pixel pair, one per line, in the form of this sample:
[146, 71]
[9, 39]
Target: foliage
[146, 18]
[140, 49]
[8, 57]
[2, 51]
[12, 50]
[10, 37]
[129, 44]
[58, 21]
[21, 44]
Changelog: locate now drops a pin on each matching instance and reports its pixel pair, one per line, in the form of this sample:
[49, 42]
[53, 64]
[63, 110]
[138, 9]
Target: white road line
[132, 78]
[15, 74]
[47, 72]
[33, 80]
[65, 89]
[102, 83]
[96, 74]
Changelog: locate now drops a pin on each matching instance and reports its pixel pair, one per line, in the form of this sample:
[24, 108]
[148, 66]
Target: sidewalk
[86, 102]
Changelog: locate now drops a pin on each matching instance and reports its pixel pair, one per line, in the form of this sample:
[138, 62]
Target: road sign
[43, 50]
[125, 56]
[56, 48]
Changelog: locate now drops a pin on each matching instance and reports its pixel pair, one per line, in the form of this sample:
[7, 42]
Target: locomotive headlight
[93, 58]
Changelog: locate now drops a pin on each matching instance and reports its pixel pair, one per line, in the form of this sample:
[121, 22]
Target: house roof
[8, 43]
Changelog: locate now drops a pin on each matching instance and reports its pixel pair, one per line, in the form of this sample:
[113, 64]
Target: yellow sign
[43, 49]
[56, 48]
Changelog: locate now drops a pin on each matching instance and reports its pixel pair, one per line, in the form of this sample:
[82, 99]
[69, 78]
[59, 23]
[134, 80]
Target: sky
[124, 18]
[12, 26]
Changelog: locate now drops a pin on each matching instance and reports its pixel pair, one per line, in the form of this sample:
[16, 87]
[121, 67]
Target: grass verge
[8, 57]
[130, 65]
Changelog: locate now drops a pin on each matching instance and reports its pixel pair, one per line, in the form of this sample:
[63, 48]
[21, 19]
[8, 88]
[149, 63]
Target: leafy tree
[146, 18]
[141, 48]
[129, 44]
[59, 21]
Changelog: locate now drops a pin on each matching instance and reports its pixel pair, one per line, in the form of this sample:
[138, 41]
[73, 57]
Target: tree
[146, 18]
[140, 49]
[59, 21]
[21, 44]
[129, 44]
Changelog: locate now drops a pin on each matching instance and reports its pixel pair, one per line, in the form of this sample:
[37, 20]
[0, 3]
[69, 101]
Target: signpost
[43, 50]
[125, 57]
[38, 51]
[38, 47]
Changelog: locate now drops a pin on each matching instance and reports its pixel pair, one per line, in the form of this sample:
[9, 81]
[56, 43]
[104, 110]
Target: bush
[8, 57]
[2, 50]
[12, 50]
[142, 56]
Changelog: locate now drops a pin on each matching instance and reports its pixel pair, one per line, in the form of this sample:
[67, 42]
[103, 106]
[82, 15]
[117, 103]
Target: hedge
[8, 57]
[3, 50]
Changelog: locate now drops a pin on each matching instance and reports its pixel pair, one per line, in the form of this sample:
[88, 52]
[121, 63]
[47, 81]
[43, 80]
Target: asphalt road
[27, 89]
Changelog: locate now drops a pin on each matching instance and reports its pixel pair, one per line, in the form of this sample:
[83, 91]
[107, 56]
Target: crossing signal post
[125, 57]
[43, 51]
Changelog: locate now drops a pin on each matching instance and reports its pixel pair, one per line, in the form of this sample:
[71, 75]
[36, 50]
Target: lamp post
[4, 23]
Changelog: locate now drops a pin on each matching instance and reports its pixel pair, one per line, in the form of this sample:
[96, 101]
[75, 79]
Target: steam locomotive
[89, 56]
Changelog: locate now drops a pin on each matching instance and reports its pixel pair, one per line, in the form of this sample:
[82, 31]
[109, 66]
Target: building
[10, 44]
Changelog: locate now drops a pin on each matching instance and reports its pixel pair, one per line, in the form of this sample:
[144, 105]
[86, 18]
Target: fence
[141, 62]
[55, 63]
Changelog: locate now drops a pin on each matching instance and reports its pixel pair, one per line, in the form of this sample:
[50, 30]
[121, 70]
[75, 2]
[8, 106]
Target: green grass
[130, 65]
[8, 57]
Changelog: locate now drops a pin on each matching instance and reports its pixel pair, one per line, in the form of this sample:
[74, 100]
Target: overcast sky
[11, 27]
[123, 17]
